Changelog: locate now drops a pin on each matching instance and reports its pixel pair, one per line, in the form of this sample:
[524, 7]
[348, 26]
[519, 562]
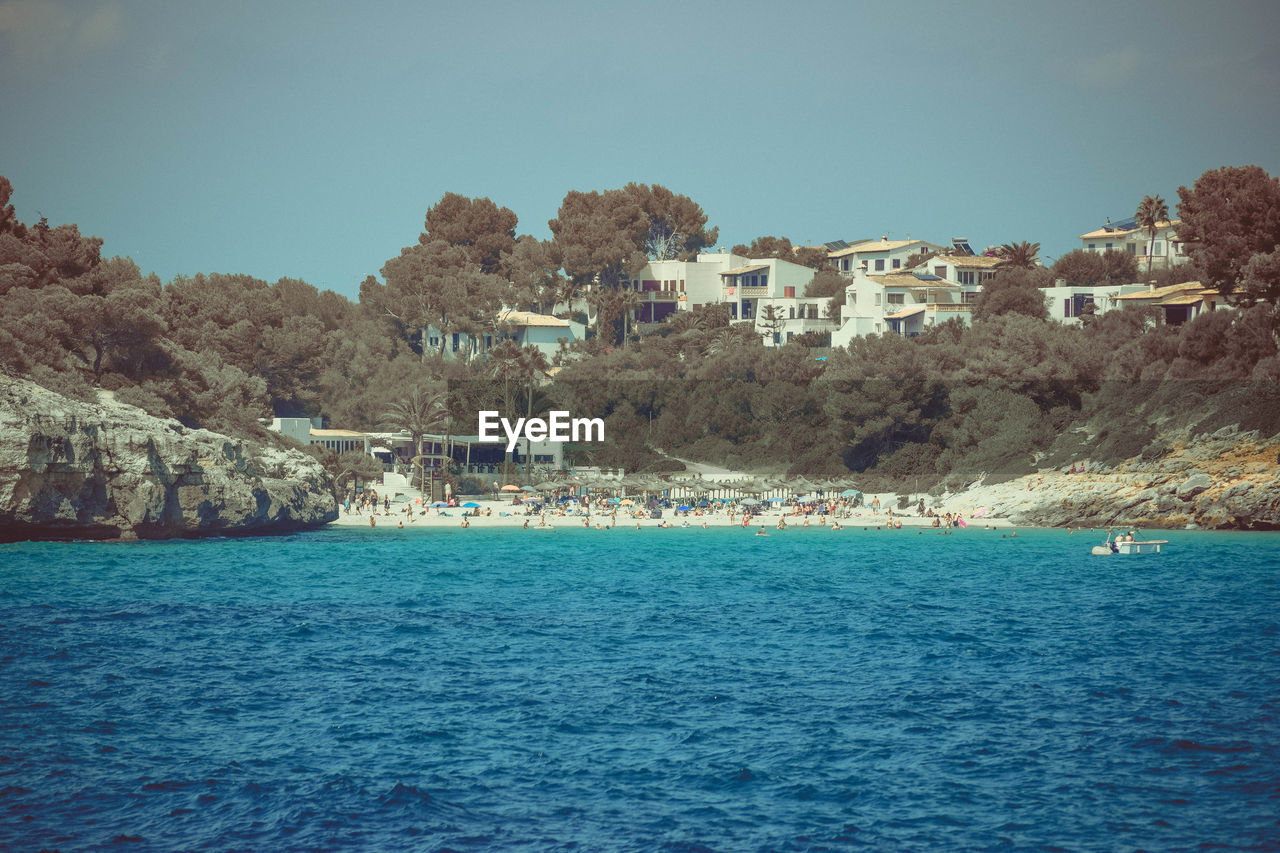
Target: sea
[641, 690]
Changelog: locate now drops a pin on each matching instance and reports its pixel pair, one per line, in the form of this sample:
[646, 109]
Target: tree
[479, 227]
[677, 225]
[771, 321]
[434, 285]
[1082, 268]
[1025, 255]
[1014, 291]
[599, 236]
[831, 284]
[1152, 211]
[534, 272]
[422, 411]
[1227, 217]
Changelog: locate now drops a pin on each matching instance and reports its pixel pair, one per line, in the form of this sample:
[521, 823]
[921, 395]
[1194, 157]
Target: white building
[904, 303]
[665, 287]
[1067, 304]
[792, 316]
[1165, 251]
[743, 287]
[880, 256]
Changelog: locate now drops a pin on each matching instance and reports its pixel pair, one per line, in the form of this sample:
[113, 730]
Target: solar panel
[927, 277]
[836, 245]
[961, 245]
[1126, 224]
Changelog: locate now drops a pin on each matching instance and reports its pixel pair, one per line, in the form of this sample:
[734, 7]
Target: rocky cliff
[70, 469]
[1224, 480]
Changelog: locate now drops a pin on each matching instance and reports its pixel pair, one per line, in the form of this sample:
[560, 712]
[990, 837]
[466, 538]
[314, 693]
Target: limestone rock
[1194, 485]
[70, 469]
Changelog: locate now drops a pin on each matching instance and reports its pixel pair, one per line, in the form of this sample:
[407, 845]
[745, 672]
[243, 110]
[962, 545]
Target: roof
[979, 261]
[741, 270]
[1163, 292]
[528, 318]
[1184, 299]
[874, 246]
[905, 312]
[1122, 231]
[337, 433]
[909, 280]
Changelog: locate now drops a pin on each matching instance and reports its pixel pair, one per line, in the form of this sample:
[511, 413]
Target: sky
[308, 139]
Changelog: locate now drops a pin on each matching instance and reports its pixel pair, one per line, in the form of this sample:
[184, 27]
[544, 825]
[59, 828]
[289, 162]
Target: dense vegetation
[1009, 392]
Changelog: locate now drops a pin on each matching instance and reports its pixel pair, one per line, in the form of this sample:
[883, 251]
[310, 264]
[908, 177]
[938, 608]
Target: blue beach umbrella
[439, 504]
[682, 508]
[850, 493]
[471, 505]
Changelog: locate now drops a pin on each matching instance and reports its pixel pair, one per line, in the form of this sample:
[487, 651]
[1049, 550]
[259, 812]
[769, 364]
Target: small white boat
[1150, 546]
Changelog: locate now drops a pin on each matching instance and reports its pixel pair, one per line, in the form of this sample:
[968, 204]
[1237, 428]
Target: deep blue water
[641, 690]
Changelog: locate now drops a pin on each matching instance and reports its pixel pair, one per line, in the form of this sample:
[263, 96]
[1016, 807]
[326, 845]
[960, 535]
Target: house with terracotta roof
[905, 303]
[1165, 251]
[879, 256]
[543, 331]
[1178, 302]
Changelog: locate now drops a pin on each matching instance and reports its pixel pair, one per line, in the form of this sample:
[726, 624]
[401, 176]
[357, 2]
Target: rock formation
[1224, 480]
[70, 469]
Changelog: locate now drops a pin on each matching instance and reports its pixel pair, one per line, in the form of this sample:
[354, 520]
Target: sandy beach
[501, 513]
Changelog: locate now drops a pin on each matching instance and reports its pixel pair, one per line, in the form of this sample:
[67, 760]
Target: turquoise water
[641, 690]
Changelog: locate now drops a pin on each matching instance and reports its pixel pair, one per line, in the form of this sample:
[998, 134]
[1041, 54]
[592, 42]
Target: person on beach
[762, 531]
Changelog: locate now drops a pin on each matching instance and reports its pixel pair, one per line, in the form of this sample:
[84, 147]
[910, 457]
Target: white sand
[501, 513]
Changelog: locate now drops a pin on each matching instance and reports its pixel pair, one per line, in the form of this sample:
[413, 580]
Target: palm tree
[533, 367]
[1152, 210]
[1023, 254]
[504, 364]
[420, 412]
[627, 302]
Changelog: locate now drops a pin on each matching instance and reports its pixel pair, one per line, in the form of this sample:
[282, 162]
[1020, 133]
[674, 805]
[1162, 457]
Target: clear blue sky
[308, 139]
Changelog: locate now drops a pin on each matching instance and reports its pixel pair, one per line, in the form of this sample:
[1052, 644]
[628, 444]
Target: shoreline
[504, 515]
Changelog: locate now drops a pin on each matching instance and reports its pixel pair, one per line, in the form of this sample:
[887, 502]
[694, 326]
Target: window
[733, 310]
[897, 263]
[777, 338]
[846, 265]
[1109, 246]
[940, 272]
[813, 311]
[1133, 248]
[896, 299]
[1159, 248]
[1093, 245]
[879, 264]
[965, 277]
[793, 313]
[764, 280]
[877, 299]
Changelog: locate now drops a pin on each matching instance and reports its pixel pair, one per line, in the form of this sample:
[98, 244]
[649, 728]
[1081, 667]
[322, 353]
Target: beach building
[1128, 236]
[469, 454]
[968, 270]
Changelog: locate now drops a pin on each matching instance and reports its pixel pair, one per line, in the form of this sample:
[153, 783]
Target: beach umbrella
[682, 508]
[548, 486]
[510, 488]
[627, 502]
[849, 493]
[614, 500]
[805, 499]
[528, 489]
[439, 504]
[533, 499]
[750, 502]
[471, 505]
[777, 500]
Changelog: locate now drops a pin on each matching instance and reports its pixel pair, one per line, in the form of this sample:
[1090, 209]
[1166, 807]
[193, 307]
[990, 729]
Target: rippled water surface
[641, 690]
